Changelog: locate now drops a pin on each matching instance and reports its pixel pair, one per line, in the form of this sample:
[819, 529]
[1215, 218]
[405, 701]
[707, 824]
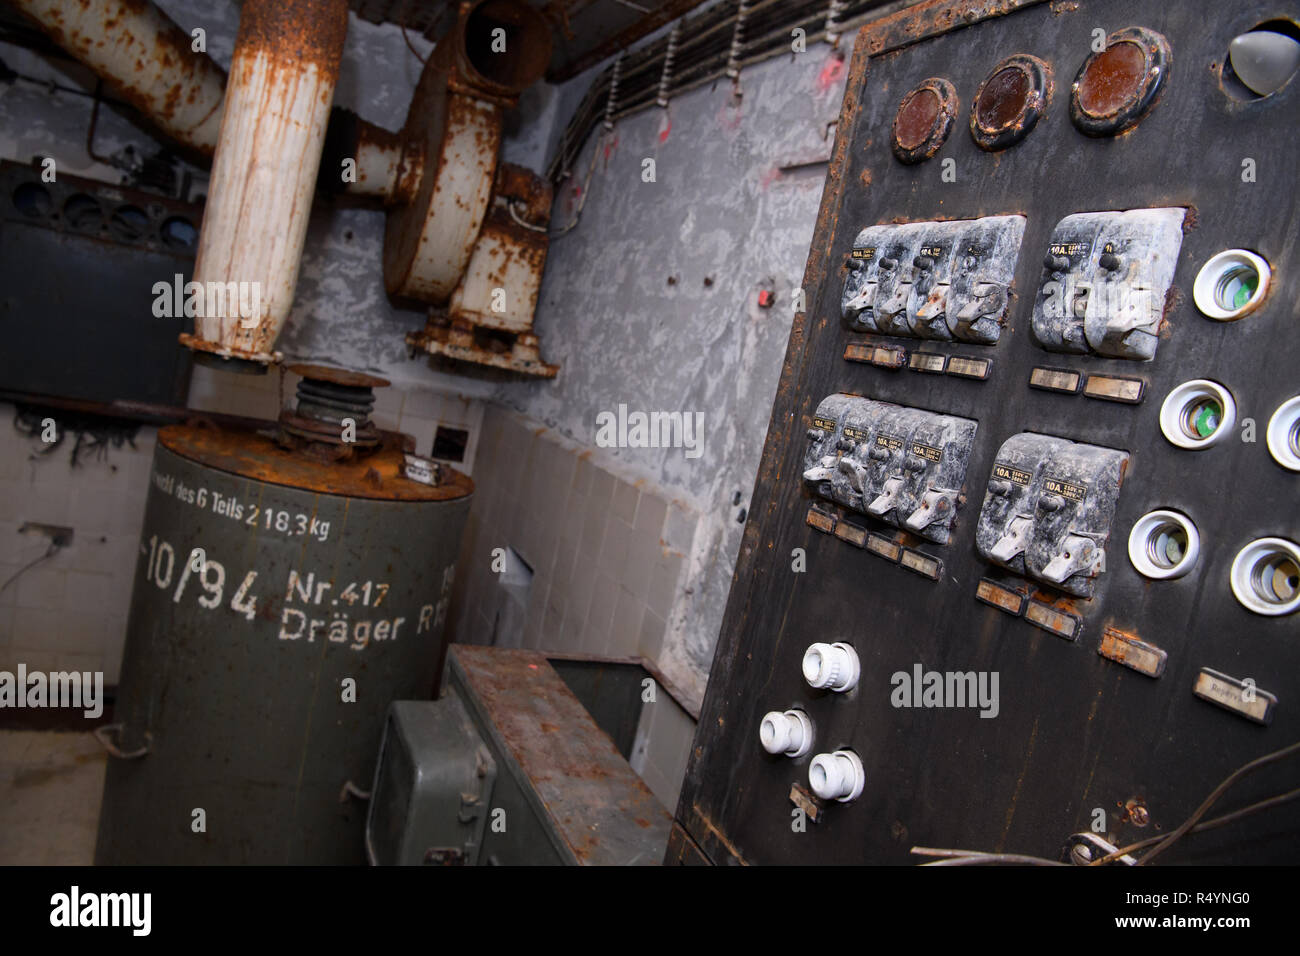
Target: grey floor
[50, 787]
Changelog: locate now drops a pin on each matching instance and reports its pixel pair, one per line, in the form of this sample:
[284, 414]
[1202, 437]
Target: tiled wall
[607, 555]
[662, 747]
[70, 610]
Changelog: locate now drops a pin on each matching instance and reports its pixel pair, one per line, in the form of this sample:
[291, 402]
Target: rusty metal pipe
[455, 120]
[282, 79]
[146, 59]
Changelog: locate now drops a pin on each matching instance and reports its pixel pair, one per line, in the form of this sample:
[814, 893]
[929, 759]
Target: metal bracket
[104, 735]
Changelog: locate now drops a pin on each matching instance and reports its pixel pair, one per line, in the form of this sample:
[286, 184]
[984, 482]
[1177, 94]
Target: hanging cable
[612, 98]
[1209, 802]
[666, 74]
[834, 14]
[737, 45]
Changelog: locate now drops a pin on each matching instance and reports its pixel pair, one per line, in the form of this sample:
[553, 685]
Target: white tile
[41, 587]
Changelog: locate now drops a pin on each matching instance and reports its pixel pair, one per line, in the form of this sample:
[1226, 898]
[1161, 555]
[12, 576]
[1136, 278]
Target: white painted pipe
[278, 98]
[144, 57]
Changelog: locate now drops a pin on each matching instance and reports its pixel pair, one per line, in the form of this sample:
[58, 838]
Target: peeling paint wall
[651, 300]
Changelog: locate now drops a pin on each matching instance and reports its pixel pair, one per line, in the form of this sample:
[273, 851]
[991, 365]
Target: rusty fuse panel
[1032, 429]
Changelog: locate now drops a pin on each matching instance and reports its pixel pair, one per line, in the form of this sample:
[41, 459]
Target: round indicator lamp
[924, 120]
[1010, 101]
[1115, 88]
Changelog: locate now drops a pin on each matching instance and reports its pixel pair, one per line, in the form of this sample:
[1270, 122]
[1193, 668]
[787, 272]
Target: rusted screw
[1139, 816]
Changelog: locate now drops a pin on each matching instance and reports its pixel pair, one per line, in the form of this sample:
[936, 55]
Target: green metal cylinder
[279, 605]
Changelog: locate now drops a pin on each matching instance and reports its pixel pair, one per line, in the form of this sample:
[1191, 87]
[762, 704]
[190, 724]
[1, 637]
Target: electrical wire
[1207, 825]
[49, 553]
[1209, 802]
[1161, 843]
[995, 859]
[586, 189]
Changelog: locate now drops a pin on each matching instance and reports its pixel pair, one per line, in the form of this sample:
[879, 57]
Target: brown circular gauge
[924, 120]
[1116, 87]
[1010, 101]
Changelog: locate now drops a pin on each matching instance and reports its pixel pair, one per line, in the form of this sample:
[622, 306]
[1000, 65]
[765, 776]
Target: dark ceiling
[586, 31]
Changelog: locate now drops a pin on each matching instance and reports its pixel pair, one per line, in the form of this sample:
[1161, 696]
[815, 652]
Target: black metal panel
[79, 260]
[1075, 731]
[611, 692]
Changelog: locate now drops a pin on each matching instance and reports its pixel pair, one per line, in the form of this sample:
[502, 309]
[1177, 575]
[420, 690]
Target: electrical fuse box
[1104, 282]
[983, 266]
[902, 465]
[1048, 510]
[1007, 516]
[1132, 540]
[933, 280]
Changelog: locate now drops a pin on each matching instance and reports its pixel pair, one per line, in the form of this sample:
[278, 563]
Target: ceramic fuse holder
[935, 468]
[898, 274]
[831, 667]
[1135, 256]
[786, 732]
[889, 451]
[927, 303]
[837, 776]
[983, 267]
[862, 282]
[1006, 520]
[1062, 299]
[855, 475]
[1073, 515]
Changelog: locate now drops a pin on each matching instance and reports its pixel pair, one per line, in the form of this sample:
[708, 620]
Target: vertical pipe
[282, 78]
[145, 57]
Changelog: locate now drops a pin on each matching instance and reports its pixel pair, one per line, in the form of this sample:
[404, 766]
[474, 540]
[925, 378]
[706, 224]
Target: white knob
[788, 733]
[837, 776]
[834, 666]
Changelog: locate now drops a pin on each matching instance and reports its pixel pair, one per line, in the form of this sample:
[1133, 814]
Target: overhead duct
[476, 72]
[145, 58]
[462, 236]
[282, 78]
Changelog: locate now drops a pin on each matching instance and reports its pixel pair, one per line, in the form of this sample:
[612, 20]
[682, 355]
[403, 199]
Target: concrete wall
[651, 302]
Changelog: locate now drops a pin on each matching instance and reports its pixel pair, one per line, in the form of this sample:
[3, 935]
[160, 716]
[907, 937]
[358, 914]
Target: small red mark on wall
[830, 74]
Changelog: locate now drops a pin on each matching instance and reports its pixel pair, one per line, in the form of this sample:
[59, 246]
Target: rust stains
[298, 32]
[254, 455]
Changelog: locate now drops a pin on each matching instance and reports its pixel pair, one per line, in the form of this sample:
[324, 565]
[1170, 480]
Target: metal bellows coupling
[281, 602]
